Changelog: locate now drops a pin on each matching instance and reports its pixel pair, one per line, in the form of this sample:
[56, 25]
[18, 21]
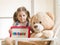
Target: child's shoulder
[15, 23]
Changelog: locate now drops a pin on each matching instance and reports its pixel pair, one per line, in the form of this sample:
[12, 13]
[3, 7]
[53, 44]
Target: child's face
[22, 16]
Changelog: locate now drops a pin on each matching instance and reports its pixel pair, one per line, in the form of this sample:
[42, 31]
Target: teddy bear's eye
[33, 22]
[40, 22]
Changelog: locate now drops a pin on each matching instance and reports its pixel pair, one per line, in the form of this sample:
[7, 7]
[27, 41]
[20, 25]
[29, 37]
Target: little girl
[21, 18]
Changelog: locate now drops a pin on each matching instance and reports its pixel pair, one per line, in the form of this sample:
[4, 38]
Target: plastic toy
[20, 32]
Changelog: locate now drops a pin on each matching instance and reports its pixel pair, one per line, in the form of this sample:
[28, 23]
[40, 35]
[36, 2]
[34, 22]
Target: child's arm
[9, 30]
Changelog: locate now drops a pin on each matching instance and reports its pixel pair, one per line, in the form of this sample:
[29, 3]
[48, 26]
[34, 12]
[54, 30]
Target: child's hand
[10, 31]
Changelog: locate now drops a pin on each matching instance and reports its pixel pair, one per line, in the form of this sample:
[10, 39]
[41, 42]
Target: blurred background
[8, 7]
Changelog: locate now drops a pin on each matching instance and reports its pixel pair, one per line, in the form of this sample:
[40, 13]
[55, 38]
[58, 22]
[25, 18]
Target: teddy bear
[42, 24]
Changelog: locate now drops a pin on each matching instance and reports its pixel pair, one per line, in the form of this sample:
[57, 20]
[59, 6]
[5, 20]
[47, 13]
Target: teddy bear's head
[42, 21]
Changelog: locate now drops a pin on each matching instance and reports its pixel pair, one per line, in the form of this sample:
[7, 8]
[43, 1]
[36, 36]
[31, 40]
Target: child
[21, 18]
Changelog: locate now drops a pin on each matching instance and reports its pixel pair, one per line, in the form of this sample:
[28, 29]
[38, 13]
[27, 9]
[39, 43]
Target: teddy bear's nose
[35, 26]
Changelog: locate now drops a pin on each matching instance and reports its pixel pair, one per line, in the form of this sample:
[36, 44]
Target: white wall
[4, 27]
[57, 6]
[43, 6]
[8, 7]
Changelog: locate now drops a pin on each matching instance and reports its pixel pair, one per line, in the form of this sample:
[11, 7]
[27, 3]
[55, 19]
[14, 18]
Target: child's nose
[22, 16]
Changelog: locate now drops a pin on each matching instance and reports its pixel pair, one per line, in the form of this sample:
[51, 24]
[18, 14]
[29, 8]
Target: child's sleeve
[14, 24]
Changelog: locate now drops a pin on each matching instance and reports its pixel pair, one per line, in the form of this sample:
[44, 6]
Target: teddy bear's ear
[51, 15]
[29, 20]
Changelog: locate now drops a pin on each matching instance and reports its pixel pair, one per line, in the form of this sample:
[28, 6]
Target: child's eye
[19, 15]
[23, 15]
[33, 22]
